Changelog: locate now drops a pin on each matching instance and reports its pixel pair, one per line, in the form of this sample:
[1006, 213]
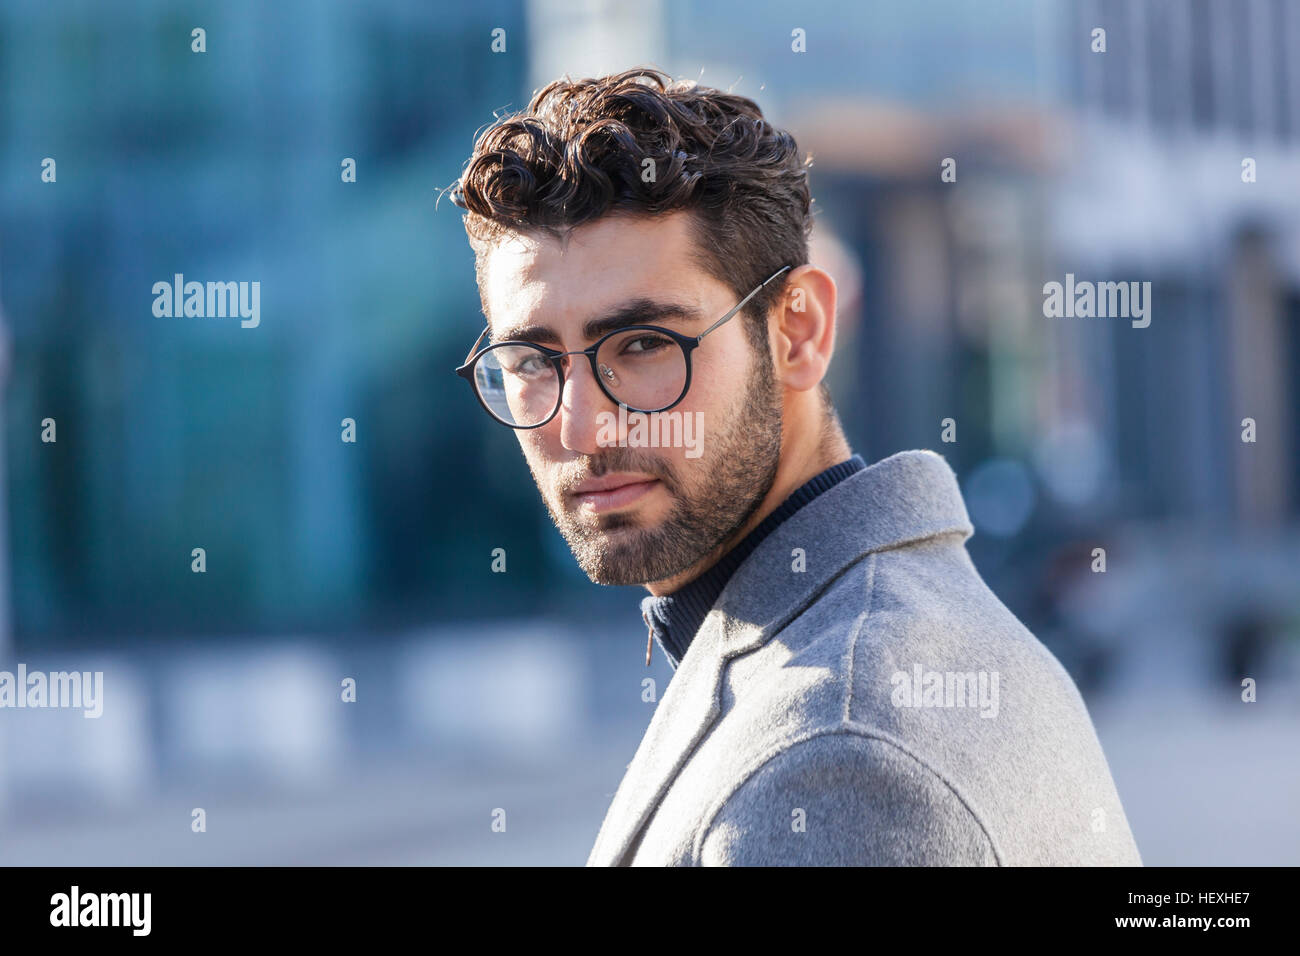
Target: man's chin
[602, 577]
[620, 577]
[625, 555]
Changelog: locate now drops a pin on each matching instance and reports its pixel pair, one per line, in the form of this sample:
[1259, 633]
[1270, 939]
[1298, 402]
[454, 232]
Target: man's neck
[796, 466]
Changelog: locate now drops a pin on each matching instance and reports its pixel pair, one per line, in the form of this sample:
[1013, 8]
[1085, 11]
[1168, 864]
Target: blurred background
[372, 560]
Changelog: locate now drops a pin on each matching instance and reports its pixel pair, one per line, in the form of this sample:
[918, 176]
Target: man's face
[634, 514]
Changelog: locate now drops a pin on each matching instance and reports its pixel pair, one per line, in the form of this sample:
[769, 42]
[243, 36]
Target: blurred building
[1121, 165]
[182, 433]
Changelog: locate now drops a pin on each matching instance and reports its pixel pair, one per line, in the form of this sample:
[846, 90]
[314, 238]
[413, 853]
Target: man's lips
[612, 491]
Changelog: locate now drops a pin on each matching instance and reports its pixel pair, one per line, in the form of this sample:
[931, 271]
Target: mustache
[576, 472]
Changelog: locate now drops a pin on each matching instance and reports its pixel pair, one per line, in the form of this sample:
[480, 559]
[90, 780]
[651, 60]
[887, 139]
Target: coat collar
[904, 498]
[675, 619]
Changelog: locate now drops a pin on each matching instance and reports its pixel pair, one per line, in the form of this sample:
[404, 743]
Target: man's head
[682, 200]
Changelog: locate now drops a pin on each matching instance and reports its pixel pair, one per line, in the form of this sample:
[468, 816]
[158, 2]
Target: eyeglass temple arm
[741, 304]
[478, 341]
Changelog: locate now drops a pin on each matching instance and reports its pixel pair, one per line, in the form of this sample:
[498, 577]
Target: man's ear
[803, 328]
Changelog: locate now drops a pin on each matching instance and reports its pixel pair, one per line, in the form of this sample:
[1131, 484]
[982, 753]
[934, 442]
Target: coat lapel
[909, 496]
[684, 714]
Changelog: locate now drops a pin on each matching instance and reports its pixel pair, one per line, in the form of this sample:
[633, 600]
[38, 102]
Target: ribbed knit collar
[674, 619]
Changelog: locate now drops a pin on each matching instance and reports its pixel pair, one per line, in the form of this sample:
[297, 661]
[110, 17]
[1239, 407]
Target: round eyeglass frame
[687, 343]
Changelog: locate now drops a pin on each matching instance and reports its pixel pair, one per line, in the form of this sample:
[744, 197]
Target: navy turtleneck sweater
[675, 618]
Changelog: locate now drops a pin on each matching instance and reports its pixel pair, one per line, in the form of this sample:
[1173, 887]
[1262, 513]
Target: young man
[847, 690]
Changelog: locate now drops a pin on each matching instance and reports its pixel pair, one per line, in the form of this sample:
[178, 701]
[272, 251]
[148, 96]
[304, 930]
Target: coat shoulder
[916, 677]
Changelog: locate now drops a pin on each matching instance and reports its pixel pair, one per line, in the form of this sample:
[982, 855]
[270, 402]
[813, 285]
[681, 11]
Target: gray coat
[858, 696]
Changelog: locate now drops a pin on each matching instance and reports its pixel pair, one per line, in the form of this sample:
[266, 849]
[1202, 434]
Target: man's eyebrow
[642, 311]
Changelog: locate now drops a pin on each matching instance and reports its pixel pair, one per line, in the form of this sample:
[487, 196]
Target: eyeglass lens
[640, 368]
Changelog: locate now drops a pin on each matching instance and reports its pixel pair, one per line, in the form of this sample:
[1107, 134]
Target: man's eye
[533, 365]
[645, 343]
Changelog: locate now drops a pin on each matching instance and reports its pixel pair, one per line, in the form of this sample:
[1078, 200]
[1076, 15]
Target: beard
[729, 482]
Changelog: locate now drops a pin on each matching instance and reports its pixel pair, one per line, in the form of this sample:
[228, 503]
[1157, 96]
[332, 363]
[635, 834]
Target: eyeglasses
[644, 368]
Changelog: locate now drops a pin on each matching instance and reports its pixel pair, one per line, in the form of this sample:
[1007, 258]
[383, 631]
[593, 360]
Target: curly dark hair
[580, 150]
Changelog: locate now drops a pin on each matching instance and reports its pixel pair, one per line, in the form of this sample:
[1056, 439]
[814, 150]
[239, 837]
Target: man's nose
[582, 404]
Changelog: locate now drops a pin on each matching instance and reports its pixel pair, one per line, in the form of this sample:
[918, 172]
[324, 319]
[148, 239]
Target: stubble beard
[732, 482]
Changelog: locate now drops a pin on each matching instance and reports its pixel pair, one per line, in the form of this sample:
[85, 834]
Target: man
[847, 690]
